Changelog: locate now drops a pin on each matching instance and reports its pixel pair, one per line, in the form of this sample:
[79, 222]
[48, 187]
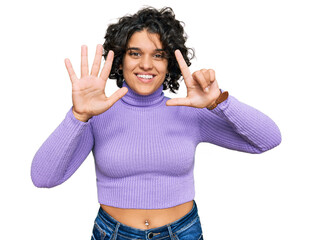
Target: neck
[134, 99]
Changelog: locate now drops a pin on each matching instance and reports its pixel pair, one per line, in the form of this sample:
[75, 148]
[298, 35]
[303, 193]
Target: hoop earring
[168, 78]
[119, 72]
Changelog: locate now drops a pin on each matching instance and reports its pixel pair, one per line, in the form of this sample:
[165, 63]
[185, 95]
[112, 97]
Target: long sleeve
[62, 152]
[237, 126]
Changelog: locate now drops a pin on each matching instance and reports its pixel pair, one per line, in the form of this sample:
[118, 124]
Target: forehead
[145, 40]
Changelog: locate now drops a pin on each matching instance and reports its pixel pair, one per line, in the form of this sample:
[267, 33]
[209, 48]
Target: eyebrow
[138, 49]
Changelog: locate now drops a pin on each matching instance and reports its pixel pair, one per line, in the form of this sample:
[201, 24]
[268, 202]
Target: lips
[145, 77]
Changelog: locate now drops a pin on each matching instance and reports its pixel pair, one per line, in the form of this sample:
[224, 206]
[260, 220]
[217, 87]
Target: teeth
[145, 76]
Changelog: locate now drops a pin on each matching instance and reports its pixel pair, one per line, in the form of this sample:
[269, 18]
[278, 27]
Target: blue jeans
[187, 227]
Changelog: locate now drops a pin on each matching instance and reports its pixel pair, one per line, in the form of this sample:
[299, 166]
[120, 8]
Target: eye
[160, 55]
[135, 54]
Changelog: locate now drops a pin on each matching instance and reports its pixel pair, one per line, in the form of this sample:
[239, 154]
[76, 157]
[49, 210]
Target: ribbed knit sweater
[144, 150]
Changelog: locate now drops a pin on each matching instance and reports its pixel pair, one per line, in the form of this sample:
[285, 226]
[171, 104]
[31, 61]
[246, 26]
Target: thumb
[117, 95]
[178, 102]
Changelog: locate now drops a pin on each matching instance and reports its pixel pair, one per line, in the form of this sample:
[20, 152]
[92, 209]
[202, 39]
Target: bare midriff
[148, 218]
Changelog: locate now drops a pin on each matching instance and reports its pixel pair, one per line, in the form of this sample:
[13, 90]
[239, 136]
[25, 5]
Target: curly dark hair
[161, 22]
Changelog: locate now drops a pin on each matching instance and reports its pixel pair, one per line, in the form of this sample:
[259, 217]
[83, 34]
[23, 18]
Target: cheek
[162, 67]
[127, 66]
[129, 63]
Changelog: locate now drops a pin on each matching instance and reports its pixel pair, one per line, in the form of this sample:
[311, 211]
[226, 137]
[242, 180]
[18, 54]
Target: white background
[261, 53]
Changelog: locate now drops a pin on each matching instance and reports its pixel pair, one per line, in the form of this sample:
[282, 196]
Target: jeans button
[150, 235]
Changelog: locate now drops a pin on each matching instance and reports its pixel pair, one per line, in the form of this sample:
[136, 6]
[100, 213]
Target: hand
[88, 92]
[196, 84]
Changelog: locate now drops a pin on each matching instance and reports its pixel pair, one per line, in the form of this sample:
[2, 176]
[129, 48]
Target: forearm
[62, 152]
[251, 124]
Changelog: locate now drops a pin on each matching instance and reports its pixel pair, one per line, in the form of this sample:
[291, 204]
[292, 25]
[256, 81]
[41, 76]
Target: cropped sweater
[144, 150]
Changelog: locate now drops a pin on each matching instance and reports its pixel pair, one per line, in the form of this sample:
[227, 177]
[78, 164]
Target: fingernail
[206, 89]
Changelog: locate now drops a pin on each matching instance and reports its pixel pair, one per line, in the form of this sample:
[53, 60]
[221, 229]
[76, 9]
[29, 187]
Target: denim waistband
[159, 232]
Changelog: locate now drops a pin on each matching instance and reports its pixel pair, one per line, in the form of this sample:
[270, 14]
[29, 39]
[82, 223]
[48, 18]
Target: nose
[146, 62]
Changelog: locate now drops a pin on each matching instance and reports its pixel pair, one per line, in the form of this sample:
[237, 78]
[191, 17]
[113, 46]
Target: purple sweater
[144, 150]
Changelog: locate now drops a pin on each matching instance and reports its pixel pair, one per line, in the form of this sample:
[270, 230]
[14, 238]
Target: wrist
[222, 97]
[80, 117]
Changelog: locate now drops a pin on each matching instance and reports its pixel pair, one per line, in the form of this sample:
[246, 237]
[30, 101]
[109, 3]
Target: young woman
[144, 143]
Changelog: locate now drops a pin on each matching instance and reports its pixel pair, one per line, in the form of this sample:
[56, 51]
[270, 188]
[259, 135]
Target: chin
[145, 92]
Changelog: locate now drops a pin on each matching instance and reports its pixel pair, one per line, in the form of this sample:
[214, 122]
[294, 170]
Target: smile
[145, 77]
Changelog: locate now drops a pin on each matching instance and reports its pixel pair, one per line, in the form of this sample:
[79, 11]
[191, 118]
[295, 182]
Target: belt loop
[172, 237]
[116, 231]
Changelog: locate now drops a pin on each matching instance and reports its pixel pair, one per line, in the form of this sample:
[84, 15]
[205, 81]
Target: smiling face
[144, 64]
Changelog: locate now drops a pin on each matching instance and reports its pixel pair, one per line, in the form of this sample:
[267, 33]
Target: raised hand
[88, 92]
[202, 86]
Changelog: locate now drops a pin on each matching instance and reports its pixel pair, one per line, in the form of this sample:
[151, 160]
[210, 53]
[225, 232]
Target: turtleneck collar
[134, 99]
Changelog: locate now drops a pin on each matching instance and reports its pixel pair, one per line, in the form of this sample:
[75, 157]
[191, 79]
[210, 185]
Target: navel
[146, 223]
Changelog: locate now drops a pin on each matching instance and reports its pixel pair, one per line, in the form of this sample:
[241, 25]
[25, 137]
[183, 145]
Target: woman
[144, 143]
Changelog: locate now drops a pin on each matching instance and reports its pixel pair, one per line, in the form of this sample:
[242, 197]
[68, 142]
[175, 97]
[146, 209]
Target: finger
[116, 96]
[70, 70]
[107, 65]
[201, 78]
[97, 60]
[206, 74]
[84, 61]
[183, 67]
[212, 75]
[178, 102]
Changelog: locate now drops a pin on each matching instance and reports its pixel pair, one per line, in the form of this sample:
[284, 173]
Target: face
[144, 64]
